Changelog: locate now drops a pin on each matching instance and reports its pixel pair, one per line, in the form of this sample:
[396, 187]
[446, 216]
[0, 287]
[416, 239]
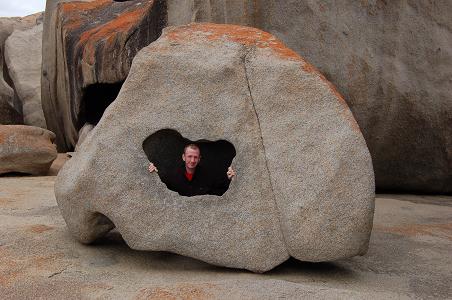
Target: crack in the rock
[244, 61]
[59, 272]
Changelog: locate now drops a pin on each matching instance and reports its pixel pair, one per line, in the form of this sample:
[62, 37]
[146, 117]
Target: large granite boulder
[26, 149]
[7, 26]
[23, 57]
[304, 184]
[88, 47]
[392, 60]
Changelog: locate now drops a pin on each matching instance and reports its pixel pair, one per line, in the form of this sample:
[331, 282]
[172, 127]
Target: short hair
[193, 146]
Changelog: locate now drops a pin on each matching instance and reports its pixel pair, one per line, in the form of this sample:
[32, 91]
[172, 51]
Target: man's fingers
[152, 168]
[230, 173]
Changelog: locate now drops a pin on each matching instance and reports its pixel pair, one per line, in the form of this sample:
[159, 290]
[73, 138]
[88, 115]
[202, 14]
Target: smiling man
[191, 180]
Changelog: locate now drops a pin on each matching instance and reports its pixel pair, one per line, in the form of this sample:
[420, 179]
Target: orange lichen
[181, 291]
[39, 228]
[120, 24]
[113, 28]
[254, 37]
[106, 31]
[437, 230]
[244, 35]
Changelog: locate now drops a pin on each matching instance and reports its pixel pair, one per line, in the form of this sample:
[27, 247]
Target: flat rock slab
[26, 149]
[305, 185]
[409, 257]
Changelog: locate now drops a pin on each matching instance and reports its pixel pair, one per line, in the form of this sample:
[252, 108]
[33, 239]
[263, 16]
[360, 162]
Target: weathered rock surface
[23, 53]
[88, 48]
[26, 149]
[83, 133]
[7, 26]
[305, 185]
[392, 60]
[8, 115]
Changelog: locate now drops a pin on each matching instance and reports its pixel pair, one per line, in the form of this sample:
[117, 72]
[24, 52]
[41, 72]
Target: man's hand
[152, 168]
[230, 173]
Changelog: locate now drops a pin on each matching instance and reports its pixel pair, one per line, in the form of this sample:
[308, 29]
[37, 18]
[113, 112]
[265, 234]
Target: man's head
[191, 157]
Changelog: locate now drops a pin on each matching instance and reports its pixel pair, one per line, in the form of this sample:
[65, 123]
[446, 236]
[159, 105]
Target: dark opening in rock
[164, 148]
[96, 98]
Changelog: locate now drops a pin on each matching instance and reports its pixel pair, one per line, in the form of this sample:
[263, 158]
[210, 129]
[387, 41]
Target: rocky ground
[409, 257]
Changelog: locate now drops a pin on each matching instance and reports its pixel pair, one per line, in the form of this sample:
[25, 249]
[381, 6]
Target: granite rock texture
[304, 184]
[86, 46]
[392, 61]
[26, 149]
[23, 53]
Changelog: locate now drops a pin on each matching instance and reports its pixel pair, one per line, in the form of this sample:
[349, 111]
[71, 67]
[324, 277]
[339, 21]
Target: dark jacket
[201, 183]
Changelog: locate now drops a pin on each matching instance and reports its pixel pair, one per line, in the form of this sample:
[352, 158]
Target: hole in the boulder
[96, 98]
[164, 149]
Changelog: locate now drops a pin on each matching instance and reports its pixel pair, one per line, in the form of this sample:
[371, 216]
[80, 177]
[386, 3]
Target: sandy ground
[410, 256]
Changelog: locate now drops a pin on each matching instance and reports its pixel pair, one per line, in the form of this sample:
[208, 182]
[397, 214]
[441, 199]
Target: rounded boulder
[304, 185]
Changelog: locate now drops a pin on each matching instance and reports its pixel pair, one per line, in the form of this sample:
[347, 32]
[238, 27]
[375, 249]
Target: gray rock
[23, 57]
[26, 149]
[392, 61]
[7, 26]
[304, 184]
[83, 133]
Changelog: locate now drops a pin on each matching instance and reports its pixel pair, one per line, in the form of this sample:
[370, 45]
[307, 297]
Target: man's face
[191, 158]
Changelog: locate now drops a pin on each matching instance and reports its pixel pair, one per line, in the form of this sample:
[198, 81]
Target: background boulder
[88, 48]
[26, 149]
[7, 26]
[392, 60]
[304, 184]
[23, 58]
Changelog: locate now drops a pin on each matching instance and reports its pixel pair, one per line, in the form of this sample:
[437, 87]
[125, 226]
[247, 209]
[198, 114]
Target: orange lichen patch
[9, 272]
[437, 230]
[45, 261]
[182, 291]
[2, 138]
[122, 23]
[244, 35]
[88, 40]
[4, 201]
[9, 277]
[39, 228]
